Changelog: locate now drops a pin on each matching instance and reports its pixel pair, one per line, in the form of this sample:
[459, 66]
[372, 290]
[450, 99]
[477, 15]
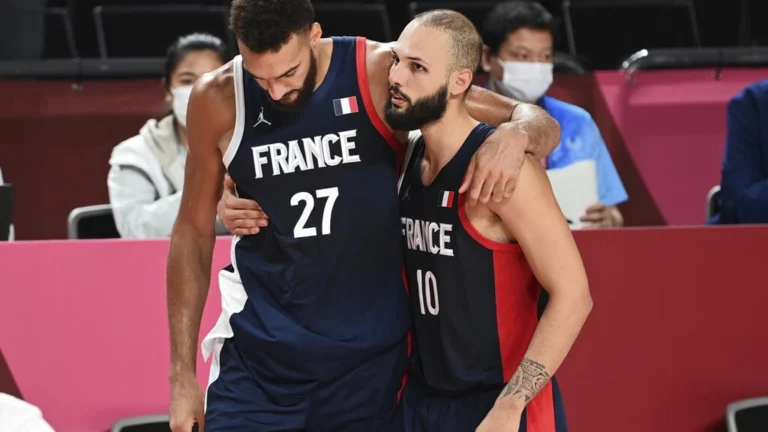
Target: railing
[685, 58]
[82, 69]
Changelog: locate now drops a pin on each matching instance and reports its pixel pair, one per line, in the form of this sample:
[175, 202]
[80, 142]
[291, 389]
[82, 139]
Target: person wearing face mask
[518, 56]
[147, 171]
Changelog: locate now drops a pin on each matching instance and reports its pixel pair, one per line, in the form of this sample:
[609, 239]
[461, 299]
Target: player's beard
[304, 93]
[415, 115]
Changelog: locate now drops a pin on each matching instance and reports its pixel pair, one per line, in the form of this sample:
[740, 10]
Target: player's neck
[323, 53]
[444, 138]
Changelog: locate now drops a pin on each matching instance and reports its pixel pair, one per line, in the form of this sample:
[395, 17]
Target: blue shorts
[364, 399]
[425, 410]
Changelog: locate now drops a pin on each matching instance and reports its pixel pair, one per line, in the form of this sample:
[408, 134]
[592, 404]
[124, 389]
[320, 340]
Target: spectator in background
[147, 171]
[519, 56]
[17, 415]
[744, 185]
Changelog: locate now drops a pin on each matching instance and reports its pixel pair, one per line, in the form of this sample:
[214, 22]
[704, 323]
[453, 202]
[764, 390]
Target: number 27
[300, 230]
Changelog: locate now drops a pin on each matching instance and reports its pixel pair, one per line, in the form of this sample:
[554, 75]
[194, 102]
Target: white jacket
[19, 416]
[146, 179]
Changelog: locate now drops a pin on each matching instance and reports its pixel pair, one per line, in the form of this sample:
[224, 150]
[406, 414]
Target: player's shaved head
[466, 46]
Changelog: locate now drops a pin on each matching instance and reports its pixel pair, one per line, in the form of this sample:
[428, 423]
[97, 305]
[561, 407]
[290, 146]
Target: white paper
[575, 188]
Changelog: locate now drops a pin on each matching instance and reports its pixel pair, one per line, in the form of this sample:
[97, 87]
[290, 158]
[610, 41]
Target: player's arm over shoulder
[210, 125]
[532, 216]
[378, 64]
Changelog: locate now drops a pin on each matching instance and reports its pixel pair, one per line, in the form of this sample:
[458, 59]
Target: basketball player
[482, 361]
[312, 334]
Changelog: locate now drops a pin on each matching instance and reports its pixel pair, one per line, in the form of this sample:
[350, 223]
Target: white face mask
[525, 81]
[180, 101]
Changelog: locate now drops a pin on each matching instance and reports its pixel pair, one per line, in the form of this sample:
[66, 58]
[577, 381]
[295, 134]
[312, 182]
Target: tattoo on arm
[527, 381]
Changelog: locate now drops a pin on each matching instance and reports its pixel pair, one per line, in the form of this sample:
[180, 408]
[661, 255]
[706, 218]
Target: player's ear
[461, 81]
[315, 33]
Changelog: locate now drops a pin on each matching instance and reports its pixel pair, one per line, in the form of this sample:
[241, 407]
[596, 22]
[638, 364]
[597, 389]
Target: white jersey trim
[233, 298]
[237, 134]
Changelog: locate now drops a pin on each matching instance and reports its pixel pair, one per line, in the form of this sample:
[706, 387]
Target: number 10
[430, 288]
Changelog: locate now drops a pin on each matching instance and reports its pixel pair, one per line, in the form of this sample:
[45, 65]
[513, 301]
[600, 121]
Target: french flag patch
[347, 105]
[445, 199]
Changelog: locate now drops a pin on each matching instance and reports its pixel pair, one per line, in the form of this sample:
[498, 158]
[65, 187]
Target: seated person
[519, 56]
[744, 185]
[147, 171]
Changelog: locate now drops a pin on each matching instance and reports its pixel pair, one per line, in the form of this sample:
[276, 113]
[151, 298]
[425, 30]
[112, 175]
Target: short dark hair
[466, 44]
[508, 17]
[266, 25]
[190, 43]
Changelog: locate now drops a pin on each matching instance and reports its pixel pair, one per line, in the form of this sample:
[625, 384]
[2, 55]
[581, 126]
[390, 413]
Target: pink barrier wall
[83, 327]
[671, 341]
[666, 133]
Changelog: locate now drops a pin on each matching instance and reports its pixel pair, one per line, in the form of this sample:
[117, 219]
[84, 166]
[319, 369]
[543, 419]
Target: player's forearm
[188, 277]
[542, 130]
[558, 328]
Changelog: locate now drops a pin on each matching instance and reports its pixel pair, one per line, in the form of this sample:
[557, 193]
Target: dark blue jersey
[474, 300]
[323, 281]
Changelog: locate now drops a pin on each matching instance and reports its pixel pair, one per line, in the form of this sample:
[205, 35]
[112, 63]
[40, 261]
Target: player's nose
[277, 91]
[395, 75]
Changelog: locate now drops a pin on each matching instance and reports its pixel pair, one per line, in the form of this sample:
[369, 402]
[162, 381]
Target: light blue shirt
[580, 139]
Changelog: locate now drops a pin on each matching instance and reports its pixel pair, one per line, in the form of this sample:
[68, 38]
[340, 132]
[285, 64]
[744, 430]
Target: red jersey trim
[540, 411]
[370, 108]
[475, 234]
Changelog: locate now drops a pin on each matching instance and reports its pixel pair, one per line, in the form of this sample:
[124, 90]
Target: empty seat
[59, 34]
[354, 19]
[152, 28]
[152, 423]
[475, 11]
[749, 415]
[627, 26]
[92, 222]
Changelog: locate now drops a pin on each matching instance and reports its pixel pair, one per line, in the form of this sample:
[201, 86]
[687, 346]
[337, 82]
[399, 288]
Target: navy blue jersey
[324, 280]
[474, 300]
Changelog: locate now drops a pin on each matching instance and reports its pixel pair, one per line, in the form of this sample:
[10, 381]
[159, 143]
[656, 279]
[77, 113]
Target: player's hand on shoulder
[240, 216]
[495, 168]
[187, 405]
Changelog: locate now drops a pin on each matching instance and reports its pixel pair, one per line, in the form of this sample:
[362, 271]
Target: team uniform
[315, 314]
[474, 304]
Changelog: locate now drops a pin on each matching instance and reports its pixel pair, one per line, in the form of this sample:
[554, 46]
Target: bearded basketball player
[315, 314]
[483, 360]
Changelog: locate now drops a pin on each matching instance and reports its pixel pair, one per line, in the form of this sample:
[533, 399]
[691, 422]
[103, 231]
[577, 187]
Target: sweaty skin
[211, 122]
[522, 128]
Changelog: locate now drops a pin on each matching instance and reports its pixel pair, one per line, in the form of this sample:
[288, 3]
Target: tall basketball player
[482, 360]
[312, 334]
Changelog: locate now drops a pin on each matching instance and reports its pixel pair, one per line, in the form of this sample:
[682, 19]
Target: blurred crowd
[147, 170]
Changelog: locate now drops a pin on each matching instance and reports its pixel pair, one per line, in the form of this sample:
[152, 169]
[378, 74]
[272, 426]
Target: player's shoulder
[217, 86]
[379, 54]
[532, 184]
[213, 97]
